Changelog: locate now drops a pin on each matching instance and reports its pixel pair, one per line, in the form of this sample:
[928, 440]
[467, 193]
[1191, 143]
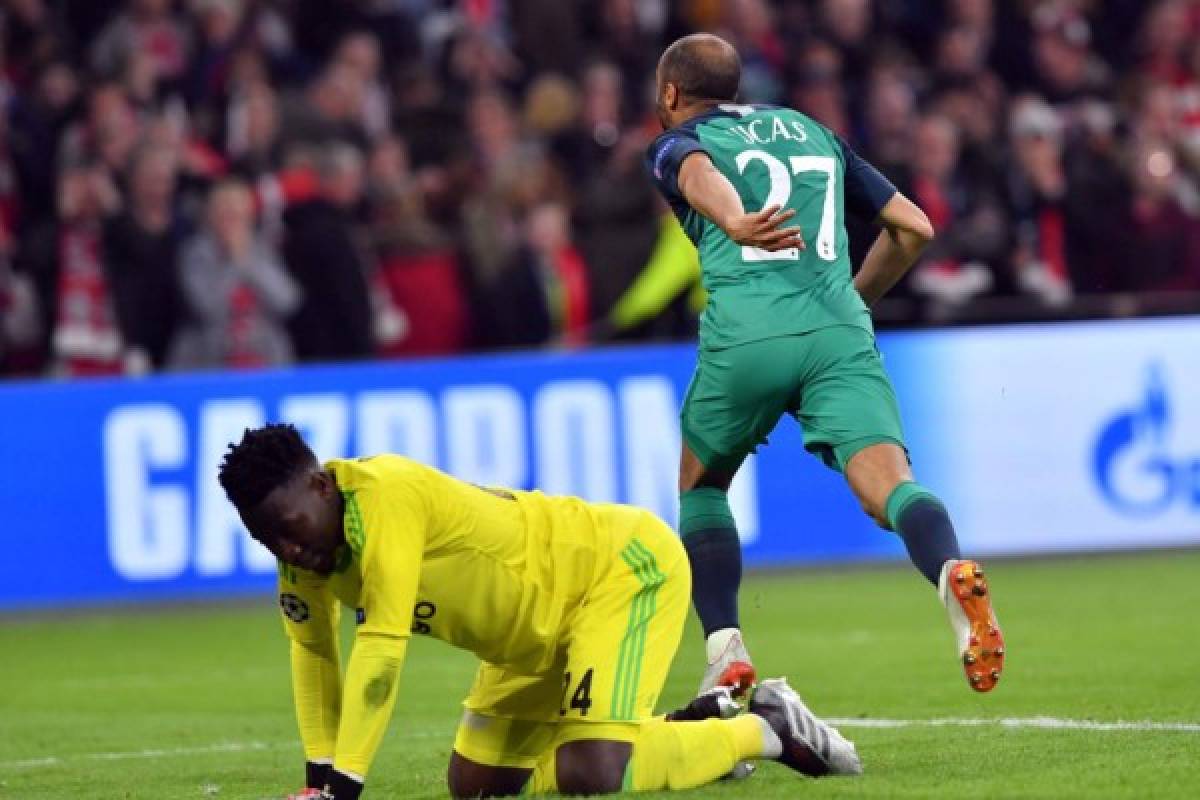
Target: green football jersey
[773, 156]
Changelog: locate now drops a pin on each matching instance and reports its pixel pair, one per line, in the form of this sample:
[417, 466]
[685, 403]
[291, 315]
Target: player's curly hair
[264, 459]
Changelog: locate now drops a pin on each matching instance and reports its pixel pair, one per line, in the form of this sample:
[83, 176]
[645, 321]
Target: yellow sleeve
[372, 677]
[391, 523]
[310, 618]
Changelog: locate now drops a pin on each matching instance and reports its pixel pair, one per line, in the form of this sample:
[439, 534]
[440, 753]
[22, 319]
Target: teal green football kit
[786, 332]
[783, 332]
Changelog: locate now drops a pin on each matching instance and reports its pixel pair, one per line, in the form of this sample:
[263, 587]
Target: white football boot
[729, 666]
[810, 746]
[728, 663]
[964, 592]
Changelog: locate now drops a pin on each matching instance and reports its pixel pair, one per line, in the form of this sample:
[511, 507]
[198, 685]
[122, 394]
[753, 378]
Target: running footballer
[787, 331]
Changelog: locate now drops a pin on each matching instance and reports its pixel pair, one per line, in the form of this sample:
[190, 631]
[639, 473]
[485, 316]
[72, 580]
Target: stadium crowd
[235, 183]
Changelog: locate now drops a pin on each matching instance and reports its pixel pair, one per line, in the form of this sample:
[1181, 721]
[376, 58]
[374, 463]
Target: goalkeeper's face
[301, 521]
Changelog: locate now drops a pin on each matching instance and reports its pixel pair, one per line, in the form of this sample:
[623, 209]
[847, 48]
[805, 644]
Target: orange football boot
[964, 592]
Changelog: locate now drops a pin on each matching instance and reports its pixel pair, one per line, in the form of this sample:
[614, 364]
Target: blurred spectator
[751, 28]
[145, 31]
[360, 53]
[10, 199]
[329, 110]
[20, 322]
[1164, 244]
[139, 80]
[219, 23]
[847, 24]
[237, 293]
[510, 175]
[542, 296]
[615, 206]
[1168, 29]
[1037, 189]
[33, 34]
[976, 14]
[108, 131]
[318, 25]
[1187, 101]
[1097, 203]
[76, 288]
[252, 132]
[424, 309]
[37, 122]
[429, 120]
[817, 89]
[1067, 69]
[629, 38]
[560, 270]
[323, 254]
[548, 34]
[586, 145]
[19, 319]
[477, 57]
[951, 269]
[961, 53]
[616, 223]
[141, 248]
[975, 107]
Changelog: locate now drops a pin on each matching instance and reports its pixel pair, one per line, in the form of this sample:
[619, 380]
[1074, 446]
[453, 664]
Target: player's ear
[322, 482]
[670, 95]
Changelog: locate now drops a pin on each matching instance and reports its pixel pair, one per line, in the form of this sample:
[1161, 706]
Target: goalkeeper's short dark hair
[263, 460]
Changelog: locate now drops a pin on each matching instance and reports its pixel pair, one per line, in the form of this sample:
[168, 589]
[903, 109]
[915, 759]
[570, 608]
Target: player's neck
[692, 110]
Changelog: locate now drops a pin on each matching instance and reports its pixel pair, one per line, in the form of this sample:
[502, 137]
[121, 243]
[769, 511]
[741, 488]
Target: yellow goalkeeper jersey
[491, 571]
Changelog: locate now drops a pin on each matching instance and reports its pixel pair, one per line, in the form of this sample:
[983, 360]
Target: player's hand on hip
[765, 229]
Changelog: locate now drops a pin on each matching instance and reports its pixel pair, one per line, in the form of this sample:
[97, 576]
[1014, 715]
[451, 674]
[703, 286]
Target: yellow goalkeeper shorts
[616, 651]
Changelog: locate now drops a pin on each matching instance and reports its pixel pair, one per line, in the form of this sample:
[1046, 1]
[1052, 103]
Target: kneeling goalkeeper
[575, 609]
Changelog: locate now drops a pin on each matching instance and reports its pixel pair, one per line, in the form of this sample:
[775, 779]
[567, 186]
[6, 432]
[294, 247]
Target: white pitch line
[1044, 723]
[169, 752]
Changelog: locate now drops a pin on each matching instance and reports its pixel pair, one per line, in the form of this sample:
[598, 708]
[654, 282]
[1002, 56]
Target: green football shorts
[831, 380]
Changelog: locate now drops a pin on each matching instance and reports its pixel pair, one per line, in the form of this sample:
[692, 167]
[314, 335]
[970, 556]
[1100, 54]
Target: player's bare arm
[906, 232]
[711, 194]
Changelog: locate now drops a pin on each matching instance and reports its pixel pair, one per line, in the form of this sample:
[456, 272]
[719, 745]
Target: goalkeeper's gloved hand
[323, 782]
[716, 702]
[341, 787]
[316, 774]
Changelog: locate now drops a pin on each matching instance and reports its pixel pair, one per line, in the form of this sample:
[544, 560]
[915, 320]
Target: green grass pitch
[195, 702]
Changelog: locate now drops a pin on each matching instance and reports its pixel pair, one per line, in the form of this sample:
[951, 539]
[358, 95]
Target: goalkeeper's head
[288, 502]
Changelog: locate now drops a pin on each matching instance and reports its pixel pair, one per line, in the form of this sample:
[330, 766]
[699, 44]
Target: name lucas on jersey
[753, 133]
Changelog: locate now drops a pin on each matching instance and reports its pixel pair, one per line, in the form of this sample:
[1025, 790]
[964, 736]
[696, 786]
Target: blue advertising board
[1060, 437]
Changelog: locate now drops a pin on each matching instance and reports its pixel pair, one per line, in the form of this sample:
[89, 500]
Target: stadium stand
[432, 176]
